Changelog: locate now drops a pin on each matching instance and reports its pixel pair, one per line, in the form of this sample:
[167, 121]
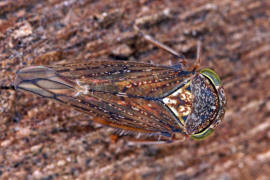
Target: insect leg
[160, 45]
[198, 55]
[198, 58]
[155, 141]
[114, 138]
[133, 142]
[158, 139]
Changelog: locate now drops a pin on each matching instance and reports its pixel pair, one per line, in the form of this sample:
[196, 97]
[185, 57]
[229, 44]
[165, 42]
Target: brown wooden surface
[45, 140]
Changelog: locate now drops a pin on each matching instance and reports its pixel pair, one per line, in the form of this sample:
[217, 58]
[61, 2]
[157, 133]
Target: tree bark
[40, 139]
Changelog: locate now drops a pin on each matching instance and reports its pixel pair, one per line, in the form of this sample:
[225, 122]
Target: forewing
[100, 90]
[124, 77]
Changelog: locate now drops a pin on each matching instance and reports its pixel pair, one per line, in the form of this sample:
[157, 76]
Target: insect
[165, 103]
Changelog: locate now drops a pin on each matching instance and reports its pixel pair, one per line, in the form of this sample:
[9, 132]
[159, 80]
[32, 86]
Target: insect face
[208, 104]
[199, 104]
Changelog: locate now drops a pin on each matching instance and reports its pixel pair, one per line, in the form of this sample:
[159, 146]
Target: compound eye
[212, 76]
[202, 135]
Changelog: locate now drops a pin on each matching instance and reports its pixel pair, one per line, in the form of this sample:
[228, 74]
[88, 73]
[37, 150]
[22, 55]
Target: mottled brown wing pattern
[124, 95]
[125, 77]
[128, 115]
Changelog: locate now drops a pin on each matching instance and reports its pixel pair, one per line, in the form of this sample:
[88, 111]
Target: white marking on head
[168, 101]
[174, 111]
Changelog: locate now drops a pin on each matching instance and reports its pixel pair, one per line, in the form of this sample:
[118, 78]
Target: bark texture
[40, 139]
